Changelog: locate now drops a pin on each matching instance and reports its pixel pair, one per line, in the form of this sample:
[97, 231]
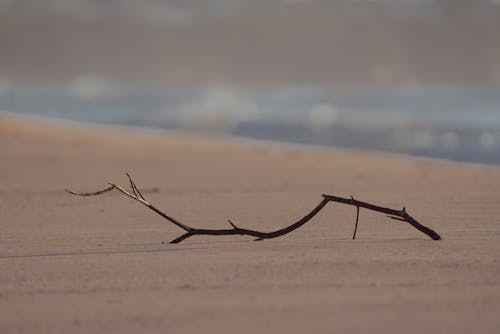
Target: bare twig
[400, 215]
[133, 186]
[95, 193]
[357, 220]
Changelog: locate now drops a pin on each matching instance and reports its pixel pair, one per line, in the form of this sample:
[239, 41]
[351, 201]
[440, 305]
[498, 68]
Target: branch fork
[135, 194]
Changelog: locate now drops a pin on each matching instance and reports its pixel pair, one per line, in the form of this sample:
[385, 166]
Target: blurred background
[418, 77]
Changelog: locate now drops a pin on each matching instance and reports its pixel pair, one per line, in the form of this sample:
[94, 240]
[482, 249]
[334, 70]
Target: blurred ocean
[418, 77]
[441, 123]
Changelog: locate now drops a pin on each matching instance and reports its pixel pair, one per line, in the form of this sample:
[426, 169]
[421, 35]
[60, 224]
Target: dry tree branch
[400, 215]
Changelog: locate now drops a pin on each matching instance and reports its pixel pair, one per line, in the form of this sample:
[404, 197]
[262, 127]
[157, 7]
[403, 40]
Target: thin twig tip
[232, 224]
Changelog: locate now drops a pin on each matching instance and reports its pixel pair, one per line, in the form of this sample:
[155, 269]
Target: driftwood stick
[400, 215]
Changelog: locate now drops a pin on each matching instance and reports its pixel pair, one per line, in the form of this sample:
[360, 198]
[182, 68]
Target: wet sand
[100, 264]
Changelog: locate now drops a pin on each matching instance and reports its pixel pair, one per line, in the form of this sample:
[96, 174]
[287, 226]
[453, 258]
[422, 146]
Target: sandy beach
[103, 264]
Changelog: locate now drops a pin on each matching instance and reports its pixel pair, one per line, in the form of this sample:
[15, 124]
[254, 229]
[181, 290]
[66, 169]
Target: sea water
[448, 123]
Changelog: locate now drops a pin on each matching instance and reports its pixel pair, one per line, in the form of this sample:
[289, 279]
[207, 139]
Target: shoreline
[228, 138]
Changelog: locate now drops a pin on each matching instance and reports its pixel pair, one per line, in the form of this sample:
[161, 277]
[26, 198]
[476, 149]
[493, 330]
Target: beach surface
[103, 264]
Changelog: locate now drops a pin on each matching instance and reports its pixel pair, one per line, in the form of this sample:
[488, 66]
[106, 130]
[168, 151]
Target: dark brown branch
[396, 214]
[258, 235]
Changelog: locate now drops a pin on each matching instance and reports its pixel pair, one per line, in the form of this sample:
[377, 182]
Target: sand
[99, 264]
